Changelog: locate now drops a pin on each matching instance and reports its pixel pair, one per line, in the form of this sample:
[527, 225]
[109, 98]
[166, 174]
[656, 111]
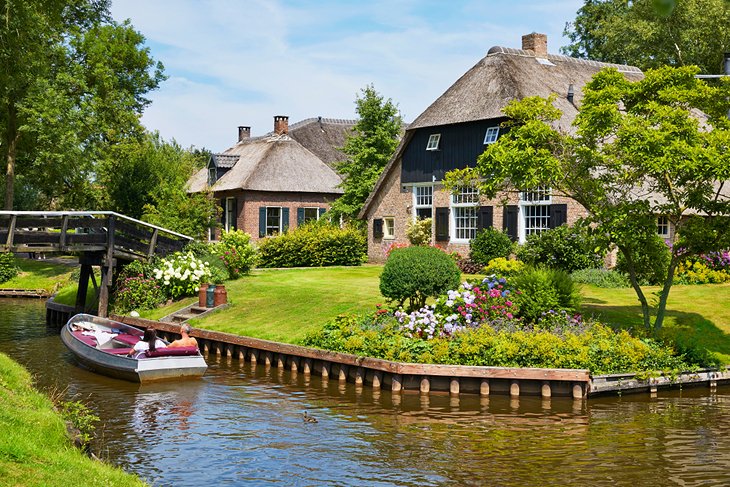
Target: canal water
[243, 426]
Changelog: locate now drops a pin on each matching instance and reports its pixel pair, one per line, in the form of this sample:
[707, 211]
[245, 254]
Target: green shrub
[564, 247]
[542, 290]
[696, 271]
[8, 268]
[604, 278]
[314, 244]
[419, 231]
[650, 264]
[136, 288]
[489, 244]
[502, 267]
[236, 253]
[208, 254]
[415, 273]
[181, 274]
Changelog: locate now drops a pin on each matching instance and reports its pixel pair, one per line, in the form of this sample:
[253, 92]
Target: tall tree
[651, 33]
[72, 84]
[375, 137]
[658, 146]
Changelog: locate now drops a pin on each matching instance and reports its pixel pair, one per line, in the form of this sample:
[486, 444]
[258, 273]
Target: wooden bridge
[100, 238]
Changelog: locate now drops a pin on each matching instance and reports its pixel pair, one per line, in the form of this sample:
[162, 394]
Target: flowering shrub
[394, 246]
[504, 267]
[419, 231]
[137, 292]
[181, 274]
[699, 272]
[236, 252]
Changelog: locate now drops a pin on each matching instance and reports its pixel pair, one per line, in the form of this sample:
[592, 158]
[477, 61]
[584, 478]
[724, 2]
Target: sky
[241, 62]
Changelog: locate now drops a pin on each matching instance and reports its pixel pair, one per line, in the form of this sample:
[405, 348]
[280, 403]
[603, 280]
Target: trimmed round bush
[564, 247]
[542, 290]
[489, 244]
[416, 273]
[8, 268]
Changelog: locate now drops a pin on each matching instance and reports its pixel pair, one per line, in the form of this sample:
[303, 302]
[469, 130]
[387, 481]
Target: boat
[102, 345]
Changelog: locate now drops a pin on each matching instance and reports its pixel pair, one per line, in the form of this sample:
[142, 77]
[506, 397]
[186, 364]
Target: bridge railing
[86, 231]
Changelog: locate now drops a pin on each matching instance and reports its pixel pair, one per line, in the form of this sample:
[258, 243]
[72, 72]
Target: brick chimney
[536, 43]
[281, 124]
[243, 133]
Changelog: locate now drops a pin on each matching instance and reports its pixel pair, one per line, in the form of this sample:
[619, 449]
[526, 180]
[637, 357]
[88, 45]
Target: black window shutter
[378, 228]
[262, 221]
[509, 223]
[485, 217]
[300, 216]
[558, 215]
[442, 224]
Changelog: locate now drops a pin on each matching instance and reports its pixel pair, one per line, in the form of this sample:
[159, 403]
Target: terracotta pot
[220, 296]
[202, 295]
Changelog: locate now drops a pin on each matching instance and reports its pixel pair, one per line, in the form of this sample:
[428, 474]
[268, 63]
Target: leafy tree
[72, 84]
[375, 137]
[640, 149]
[652, 33]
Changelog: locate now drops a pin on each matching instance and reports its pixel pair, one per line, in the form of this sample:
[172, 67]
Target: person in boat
[186, 340]
[149, 341]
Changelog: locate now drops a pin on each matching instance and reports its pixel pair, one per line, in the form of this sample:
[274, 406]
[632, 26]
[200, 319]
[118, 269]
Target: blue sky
[240, 62]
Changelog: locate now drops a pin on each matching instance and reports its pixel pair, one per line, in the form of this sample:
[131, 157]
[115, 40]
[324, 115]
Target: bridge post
[107, 270]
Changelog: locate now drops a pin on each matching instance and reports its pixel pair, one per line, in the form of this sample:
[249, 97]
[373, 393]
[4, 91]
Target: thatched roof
[506, 74]
[323, 136]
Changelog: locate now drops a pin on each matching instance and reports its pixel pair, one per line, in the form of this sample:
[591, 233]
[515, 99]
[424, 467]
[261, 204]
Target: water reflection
[243, 425]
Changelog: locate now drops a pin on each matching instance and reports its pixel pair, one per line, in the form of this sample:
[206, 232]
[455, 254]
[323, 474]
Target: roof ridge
[624, 68]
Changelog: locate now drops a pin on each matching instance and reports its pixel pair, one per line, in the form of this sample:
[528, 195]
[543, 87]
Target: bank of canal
[243, 425]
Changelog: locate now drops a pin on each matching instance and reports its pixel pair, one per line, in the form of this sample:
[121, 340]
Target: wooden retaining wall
[24, 293]
[377, 373]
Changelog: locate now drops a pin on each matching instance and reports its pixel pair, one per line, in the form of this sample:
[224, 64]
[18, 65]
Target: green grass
[34, 448]
[39, 274]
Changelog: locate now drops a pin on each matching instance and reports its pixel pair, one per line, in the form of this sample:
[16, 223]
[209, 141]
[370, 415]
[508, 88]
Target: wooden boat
[102, 345]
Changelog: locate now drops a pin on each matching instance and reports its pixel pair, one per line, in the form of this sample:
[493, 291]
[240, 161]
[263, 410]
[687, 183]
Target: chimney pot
[536, 43]
[243, 133]
[281, 124]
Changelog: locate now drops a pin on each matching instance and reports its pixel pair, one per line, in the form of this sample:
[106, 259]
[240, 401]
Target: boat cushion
[126, 338]
[87, 339]
[118, 351]
[172, 351]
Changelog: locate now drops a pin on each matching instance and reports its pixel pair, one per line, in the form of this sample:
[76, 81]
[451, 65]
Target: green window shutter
[509, 221]
[485, 217]
[284, 219]
[442, 224]
[322, 211]
[262, 221]
[378, 228]
[300, 216]
[558, 215]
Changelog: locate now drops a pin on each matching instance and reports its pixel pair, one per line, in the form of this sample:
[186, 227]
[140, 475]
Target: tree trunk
[661, 309]
[11, 140]
[637, 288]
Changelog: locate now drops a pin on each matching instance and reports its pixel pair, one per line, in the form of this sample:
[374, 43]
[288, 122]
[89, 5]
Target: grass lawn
[39, 274]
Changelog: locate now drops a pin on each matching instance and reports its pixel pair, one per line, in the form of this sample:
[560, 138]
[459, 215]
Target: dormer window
[212, 173]
[433, 142]
[491, 136]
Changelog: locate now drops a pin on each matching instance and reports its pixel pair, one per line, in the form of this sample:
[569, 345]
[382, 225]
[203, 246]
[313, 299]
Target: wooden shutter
[322, 211]
[509, 222]
[284, 219]
[378, 228]
[442, 224]
[558, 215]
[485, 217]
[300, 216]
[262, 221]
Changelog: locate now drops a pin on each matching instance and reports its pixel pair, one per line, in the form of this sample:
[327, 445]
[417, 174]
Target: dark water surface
[243, 426]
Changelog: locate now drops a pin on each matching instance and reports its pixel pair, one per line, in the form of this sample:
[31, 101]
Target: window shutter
[558, 215]
[300, 216]
[442, 224]
[322, 211]
[485, 217]
[284, 219]
[509, 223]
[378, 228]
[262, 221]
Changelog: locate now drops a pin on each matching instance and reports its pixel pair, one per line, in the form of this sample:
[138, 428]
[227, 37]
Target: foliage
[468, 266]
[651, 33]
[394, 246]
[137, 288]
[502, 267]
[650, 260]
[236, 252]
[83, 420]
[698, 272]
[568, 248]
[181, 274]
[415, 273]
[544, 289]
[207, 252]
[369, 148]
[418, 232]
[489, 244]
[604, 278]
[314, 244]
[8, 268]
[627, 133]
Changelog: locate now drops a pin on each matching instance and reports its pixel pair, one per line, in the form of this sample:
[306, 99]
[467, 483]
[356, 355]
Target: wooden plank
[39, 222]
[11, 231]
[153, 244]
[64, 229]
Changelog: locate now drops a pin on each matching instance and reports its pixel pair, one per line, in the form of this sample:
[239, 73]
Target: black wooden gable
[459, 146]
[222, 164]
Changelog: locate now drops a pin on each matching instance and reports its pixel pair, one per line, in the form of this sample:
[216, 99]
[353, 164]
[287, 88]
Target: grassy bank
[39, 274]
[34, 448]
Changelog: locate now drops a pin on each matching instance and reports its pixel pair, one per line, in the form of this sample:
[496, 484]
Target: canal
[243, 426]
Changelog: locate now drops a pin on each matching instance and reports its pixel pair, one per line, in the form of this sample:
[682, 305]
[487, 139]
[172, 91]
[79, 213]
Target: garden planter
[202, 295]
[220, 295]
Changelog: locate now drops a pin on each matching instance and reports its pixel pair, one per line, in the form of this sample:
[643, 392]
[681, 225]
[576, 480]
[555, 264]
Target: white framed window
[389, 227]
[433, 142]
[534, 211]
[422, 202]
[464, 207]
[273, 220]
[230, 220]
[491, 136]
[662, 226]
[311, 214]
